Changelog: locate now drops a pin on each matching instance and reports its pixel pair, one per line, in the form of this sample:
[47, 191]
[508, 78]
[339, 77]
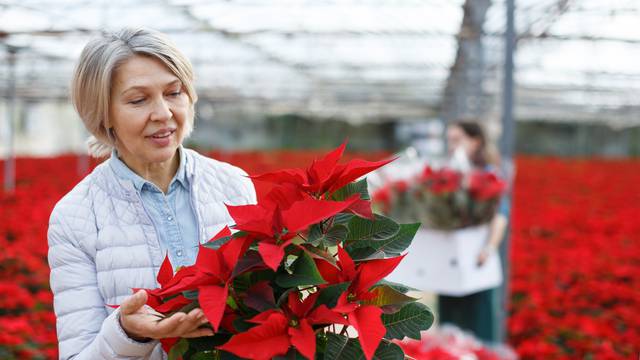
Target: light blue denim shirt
[172, 213]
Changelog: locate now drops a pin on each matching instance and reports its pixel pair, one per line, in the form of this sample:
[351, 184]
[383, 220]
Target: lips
[162, 133]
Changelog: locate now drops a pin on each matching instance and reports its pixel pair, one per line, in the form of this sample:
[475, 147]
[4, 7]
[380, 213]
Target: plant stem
[307, 288]
[235, 297]
[344, 329]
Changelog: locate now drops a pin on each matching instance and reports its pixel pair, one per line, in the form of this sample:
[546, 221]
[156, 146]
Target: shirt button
[169, 218]
[179, 253]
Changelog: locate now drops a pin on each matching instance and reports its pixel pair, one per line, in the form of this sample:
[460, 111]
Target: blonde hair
[93, 75]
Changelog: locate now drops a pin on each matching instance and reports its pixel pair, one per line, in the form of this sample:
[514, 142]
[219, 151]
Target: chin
[163, 154]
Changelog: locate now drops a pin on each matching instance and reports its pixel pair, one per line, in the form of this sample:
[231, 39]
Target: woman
[476, 312]
[134, 92]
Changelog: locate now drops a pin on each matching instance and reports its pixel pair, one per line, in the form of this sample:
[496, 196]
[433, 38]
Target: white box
[445, 262]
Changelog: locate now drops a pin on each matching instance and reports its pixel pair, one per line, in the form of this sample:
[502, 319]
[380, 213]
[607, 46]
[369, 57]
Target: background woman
[477, 312]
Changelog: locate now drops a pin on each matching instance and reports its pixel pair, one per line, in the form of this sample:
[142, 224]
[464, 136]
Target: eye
[137, 101]
[175, 93]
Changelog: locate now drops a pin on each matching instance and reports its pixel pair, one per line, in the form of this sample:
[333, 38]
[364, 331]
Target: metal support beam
[9, 162]
[507, 142]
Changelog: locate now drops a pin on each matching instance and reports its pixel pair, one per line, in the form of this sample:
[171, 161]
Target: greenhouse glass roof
[361, 60]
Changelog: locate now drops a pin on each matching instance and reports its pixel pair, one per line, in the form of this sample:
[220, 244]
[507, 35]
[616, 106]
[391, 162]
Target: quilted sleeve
[248, 188]
[85, 330]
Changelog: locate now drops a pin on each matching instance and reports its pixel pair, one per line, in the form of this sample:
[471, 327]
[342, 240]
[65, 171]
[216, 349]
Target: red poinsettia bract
[362, 276]
[284, 212]
[210, 275]
[325, 174]
[279, 329]
[441, 181]
[485, 185]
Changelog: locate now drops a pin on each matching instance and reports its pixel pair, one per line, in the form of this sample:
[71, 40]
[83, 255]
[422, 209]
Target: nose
[161, 111]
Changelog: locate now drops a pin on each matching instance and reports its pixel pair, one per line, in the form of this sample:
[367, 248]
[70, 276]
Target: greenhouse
[499, 140]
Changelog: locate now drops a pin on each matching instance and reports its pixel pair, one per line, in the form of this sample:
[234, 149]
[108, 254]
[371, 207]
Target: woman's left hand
[484, 255]
[140, 322]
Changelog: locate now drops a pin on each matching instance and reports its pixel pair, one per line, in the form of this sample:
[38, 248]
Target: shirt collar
[123, 171]
[181, 174]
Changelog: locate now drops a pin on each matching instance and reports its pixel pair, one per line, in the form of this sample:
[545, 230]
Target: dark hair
[473, 130]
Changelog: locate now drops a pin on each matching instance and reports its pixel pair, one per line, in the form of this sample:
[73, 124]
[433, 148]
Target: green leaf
[330, 294]
[291, 354]
[315, 234]
[338, 347]
[386, 295]
[356, 187]
[388, 351]
[239, 234]
[400, 241]
[342, 348]
[363, 253]
[208, 343]
[228, 356]
[232, 303]
[335, 235]
[241, 324]
[343, 218]
[392, 246]
[304, 272]
[262, 275]
[185, 309]
[318, 253]
[178, 349]
[218, 242]
[321, 344]
[204, 355]
[397, 286]
[282, 299]
[191, 294]
[249, 261]
[381, 228]
[409, 321]
[242, 283]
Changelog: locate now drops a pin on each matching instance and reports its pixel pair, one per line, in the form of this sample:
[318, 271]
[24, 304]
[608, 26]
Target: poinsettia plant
[449, 342]
[443, 198]
[299, 275]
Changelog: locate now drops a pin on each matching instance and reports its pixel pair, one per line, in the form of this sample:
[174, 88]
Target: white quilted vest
[102, 244]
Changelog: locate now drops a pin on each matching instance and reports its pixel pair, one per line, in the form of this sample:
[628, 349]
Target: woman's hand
[485, 253]
[142, 323]
[496, 234]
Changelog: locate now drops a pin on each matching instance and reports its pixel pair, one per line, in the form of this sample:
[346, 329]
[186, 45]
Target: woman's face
[149, 111]
[456, 138]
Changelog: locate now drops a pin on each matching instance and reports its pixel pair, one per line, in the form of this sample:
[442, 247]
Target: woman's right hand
[142, 323]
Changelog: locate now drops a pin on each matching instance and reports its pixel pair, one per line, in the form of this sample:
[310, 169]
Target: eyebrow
[142, 87]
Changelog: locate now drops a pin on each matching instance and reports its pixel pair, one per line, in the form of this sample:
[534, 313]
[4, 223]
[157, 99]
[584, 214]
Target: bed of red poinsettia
[576, 255]
[575, 286]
